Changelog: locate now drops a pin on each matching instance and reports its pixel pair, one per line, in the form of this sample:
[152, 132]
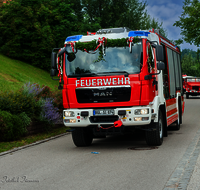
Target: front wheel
[82, 136]
[156, 137]
[187, 96]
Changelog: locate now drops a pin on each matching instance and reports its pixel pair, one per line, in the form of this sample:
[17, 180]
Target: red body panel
[70, 94]
[193, 86]
[171, 111]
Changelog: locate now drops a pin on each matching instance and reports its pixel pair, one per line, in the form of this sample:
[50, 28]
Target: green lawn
[14, 74]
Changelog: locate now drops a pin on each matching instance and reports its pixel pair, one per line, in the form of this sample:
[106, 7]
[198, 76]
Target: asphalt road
[122, 162]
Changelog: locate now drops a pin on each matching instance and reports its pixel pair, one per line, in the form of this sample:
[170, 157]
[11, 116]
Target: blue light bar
[137, 33]
[73, 38]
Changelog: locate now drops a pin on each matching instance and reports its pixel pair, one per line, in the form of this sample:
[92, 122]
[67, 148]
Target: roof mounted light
[138, 33]
[73, 38]
[113, 30]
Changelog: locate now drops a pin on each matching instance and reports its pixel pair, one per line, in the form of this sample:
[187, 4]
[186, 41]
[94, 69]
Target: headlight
[141, 111]
[144, 111]
[69, 114]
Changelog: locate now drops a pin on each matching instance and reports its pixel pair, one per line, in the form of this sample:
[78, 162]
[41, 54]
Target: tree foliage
[190, 22]
[30, 29]
[187, 52]
[190, 62]
[190, 66]
[121, 13]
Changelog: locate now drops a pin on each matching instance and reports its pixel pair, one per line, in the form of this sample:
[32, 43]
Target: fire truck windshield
[116, 59]
[193, 80]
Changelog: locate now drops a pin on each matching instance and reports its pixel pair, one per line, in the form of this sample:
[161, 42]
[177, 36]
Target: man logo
[102, 94]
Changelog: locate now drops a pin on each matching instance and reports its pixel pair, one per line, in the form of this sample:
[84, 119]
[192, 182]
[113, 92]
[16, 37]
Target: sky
[168, 11]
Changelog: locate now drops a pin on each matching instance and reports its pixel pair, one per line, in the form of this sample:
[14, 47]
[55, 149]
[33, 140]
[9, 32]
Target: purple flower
[49, 112]
[32, 89]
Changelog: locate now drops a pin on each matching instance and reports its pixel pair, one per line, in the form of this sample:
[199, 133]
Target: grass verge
[5, 146]
[14, 74]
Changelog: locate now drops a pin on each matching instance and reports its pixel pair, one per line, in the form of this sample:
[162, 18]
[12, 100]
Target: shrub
[58, 101]
[46, 92]
[31, 101]
[49, 113]
[12, 127]
[18, 102]
[32, 90]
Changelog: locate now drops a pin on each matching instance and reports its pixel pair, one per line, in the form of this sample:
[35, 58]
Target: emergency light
[73, 38]
[137, 33]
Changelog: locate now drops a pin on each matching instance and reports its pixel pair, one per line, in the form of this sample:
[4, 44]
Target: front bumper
[193, 92]
[129, 118]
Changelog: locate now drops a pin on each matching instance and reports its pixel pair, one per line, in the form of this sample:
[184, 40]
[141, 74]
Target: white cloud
[168, 12]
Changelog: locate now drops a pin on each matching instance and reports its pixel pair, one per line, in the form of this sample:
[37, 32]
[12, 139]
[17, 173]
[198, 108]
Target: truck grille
[103, 94]
[195, 88]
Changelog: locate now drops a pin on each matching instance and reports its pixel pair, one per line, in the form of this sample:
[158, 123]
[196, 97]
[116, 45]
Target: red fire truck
[116, 80]
[184, 82]
[192, 86]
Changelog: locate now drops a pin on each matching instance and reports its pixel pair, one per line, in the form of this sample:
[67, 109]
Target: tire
[82, 136]
[156, 137]
[187, 96]
[177, 125]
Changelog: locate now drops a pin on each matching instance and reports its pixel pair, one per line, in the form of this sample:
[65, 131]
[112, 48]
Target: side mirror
[53, 60]
[159, 53]
[53, 72]
[160, 66]
[61, 51]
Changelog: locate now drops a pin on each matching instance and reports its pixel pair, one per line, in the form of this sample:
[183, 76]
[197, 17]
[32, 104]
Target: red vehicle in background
[184, 78]
[192, 86]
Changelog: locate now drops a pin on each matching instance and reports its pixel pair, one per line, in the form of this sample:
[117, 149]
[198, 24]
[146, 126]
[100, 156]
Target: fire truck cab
[192, 86]
[117, 80]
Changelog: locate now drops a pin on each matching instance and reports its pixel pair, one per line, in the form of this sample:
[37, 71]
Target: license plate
[103, 112]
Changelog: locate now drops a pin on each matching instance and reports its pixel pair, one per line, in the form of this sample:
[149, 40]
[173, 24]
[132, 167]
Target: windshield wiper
[125, 72]
[83, 75]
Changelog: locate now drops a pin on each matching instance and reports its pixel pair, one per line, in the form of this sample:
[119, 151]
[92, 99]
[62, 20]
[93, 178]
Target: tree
[31, 28]
[187, 52]
[189, 65]
[149, 23]
[120, 13]
[190, 22]
[112, 13]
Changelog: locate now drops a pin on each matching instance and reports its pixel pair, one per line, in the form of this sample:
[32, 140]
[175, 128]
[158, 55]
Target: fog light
[137, 118]
[69, 120]
[145, 118]
[66, 120]
[72, 120]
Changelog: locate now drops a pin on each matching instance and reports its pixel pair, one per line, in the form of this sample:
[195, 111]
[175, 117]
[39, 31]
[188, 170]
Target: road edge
[33, 144]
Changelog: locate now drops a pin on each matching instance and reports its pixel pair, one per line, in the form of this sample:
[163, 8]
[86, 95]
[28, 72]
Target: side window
[171, 72]
[177, 71]
[150, 58]
[165, 77]
[180, 71]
